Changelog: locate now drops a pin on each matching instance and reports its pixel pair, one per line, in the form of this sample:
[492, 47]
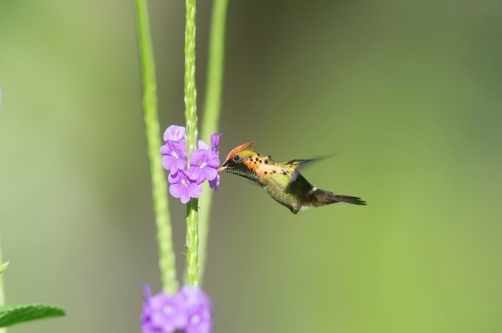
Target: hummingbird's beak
[224, 166]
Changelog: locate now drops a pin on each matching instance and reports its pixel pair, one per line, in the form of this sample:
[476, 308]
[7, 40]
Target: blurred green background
[408, 93]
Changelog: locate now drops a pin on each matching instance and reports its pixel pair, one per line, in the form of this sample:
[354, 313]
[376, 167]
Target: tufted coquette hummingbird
[281, 180]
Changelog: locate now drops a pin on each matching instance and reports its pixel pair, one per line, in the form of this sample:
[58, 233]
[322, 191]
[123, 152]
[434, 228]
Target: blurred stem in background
[159, 186]
[212, 109]
[192, 237]
[2, 292]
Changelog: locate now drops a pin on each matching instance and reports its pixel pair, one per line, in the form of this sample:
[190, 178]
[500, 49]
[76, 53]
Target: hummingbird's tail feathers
[326, 198]
[349, 199]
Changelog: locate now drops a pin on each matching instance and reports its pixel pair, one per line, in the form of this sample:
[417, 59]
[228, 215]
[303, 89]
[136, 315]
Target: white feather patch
[304, 208]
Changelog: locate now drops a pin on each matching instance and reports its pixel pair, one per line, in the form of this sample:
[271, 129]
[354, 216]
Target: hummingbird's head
[239, 161]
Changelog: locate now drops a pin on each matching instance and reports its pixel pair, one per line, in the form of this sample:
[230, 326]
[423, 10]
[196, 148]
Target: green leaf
[13, 314]
[4, 266]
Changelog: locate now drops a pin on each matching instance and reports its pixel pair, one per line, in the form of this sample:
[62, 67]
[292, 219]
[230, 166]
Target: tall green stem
[212, 107]
[159, 186]
[192, 237]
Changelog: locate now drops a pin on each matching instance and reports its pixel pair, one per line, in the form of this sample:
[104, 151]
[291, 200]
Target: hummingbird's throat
[240, 169]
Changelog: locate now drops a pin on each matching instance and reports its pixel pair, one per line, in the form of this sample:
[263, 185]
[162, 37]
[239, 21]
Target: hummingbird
[281, 180]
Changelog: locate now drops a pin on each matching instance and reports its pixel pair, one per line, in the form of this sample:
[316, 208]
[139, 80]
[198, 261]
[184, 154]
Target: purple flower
[174, 158]
[215, 183]
[215, 139]
[175, 149]
[189, 310]
[163, 313]
[182, 187]
[205, 171]
[201, 145]
[174, 133]
[199, 308]
[203, 165]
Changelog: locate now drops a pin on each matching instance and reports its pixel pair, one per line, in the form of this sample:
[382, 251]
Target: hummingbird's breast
[292, 194]
[276, 189]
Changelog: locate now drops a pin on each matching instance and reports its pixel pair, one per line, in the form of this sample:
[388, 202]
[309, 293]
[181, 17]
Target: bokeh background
[407, 93]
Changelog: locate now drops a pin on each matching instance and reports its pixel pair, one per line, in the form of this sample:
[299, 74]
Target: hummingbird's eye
[236, 158]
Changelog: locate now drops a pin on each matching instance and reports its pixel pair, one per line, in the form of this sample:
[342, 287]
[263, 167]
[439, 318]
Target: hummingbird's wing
[296, 164]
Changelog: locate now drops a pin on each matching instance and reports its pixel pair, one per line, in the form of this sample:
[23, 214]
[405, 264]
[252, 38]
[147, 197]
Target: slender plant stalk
[2, 292]
[212, 107]
[159, 185]
[192, 237]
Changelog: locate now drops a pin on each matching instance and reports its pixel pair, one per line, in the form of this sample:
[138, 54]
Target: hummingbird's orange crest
[238, 149]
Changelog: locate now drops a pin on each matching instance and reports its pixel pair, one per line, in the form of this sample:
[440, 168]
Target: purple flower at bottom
[190, 311]
[182, 187]
[163, 313]
[198, 307]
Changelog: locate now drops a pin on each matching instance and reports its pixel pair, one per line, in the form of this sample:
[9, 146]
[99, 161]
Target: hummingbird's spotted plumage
[281, 180]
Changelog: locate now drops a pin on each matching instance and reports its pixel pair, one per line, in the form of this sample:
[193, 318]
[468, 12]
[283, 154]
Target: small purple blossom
[215, 183]
[174, 133]
[174, 158]
[183, 187]
[201, 145]
[203, 165]
[215, 139]
[189, 310]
